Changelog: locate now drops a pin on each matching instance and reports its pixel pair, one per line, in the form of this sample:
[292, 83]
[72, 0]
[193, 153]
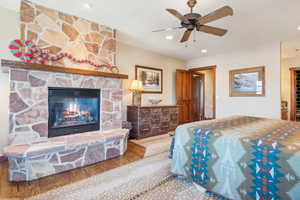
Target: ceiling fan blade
[186, 36]
[178, 15]
[217, 14]
[167, 29]
[212, 30]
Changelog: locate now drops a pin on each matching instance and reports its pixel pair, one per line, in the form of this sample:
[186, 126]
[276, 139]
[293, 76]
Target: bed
[240, 157]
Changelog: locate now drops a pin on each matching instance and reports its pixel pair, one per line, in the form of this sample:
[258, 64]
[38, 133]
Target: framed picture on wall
[152, 78]
[247, 82]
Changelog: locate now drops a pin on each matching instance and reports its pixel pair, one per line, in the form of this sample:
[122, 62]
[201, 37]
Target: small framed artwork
[152, 78]
[247, 82]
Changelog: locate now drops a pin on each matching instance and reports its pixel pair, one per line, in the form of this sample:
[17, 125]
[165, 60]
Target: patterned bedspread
[241, 157]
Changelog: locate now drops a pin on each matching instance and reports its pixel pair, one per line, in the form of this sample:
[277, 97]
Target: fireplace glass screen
[73, 111]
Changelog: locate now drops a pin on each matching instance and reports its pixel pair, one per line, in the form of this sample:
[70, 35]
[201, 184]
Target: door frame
[214, 69]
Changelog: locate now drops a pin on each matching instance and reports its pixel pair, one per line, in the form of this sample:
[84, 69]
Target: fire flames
[73, 114]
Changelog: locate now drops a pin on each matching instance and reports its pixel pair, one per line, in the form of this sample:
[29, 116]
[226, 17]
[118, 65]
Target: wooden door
[184, 95]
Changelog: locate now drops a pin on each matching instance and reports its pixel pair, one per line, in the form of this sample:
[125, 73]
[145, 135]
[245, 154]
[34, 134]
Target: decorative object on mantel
[247, 82]
[155, 101]
[136, 87]
[152, 78]
[49, 68]
[30, 53]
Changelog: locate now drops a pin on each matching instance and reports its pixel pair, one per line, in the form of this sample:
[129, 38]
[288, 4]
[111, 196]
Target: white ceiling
[255, 23]
[290, 48]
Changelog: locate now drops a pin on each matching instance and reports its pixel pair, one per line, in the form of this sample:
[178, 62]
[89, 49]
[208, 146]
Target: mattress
[240, 157]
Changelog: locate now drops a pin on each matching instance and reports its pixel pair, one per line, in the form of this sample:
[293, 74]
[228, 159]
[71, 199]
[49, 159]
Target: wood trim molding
[294, 69]
[198, 73]
[212, 67]
[17, 64]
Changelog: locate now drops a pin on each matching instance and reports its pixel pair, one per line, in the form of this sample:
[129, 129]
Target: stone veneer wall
[28, 109]
[59, 32]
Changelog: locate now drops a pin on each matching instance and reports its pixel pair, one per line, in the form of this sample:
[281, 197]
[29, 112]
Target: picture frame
[151, 77]
[247, 82]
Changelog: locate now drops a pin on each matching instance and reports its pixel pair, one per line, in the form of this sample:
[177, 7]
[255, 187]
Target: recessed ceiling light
[87, 5]
[203, 50]
[169, 37]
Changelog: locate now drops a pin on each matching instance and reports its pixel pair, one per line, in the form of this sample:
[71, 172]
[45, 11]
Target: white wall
[268, 106]
[209, 93]
[9, 32]
[129, 56]
[286, 64]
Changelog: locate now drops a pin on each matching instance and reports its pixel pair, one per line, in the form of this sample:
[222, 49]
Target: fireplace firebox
[73, 110]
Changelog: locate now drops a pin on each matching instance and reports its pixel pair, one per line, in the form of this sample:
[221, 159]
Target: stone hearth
[30, 162]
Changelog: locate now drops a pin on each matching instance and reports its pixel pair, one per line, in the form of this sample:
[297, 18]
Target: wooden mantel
[17, 64]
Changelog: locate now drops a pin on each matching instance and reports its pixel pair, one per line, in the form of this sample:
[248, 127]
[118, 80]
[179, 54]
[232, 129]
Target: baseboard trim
[3, 158]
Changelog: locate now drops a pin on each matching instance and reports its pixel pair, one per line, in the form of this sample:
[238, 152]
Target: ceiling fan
[192, 21]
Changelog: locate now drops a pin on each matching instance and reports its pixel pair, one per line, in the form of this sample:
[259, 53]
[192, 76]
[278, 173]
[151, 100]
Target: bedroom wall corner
[267, 106]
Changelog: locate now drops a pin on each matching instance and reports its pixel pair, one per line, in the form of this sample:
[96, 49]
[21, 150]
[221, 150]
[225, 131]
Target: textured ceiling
[255, 23]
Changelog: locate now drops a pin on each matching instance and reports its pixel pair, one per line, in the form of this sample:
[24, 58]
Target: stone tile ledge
[63, 143]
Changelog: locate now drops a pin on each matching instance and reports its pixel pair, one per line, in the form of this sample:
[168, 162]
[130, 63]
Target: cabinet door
[184, 95]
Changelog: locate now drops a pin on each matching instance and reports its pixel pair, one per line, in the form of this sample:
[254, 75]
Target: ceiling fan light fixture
[194, 21]
[169, 37]
[204, 51]
[87, 5]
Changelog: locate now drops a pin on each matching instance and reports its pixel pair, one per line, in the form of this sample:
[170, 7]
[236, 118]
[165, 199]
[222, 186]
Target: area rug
[146, 179]
[155, 145]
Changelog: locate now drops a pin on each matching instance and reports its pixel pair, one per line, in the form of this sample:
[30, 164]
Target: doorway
[196, 94]
[209, 94]
[199, 96]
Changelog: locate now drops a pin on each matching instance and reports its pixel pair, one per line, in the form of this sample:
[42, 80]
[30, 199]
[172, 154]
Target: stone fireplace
[63, 97]
[73, 110]
[29, 110]
[45, 104]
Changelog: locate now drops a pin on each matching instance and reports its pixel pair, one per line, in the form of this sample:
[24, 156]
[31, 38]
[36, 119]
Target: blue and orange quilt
[241, 157]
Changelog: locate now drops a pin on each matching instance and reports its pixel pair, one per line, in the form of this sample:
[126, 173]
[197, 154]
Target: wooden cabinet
[151, 120]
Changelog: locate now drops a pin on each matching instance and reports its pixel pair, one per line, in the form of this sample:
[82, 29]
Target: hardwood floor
[21, 190]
